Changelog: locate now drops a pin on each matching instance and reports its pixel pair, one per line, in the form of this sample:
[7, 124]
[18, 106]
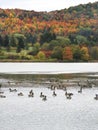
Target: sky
[41, 5]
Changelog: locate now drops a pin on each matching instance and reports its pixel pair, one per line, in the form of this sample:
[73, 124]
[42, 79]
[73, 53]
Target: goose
[44, 98]
[80, 91]
[1, 92]
[2, 96]
[20, 94]
[68, 94]
[31, 94]
[96, 97]
[68, 97]
[31, 91]
[12, 90]
[54, 94]
[41, 94]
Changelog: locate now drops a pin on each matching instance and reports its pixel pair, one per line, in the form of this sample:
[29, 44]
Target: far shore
[45, 80]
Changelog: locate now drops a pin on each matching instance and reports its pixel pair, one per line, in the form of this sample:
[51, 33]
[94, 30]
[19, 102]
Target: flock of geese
[53, 88]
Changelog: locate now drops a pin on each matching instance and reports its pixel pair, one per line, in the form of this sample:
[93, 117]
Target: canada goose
[31, 91]
[68, 94]
[1, 92]
[96, 97]
[44, 98]
[68, 97]
[2, 96]
[12, 90]
[54, 94]
[41, 94]
[80, 91]
[31, 94]
[20, 94]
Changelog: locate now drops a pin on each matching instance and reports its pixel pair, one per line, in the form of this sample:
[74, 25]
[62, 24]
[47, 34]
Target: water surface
[57, 113]
[48, 68]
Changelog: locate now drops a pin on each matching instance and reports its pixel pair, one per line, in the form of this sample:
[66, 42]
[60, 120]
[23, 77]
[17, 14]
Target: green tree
[35, 49]
[81, 40]
[63, 41]
[6, 42]
[45, 46]
[13, 40]
[77, 53]
[21, 42]
[94, 53]
[1, 41]
[57, 53]
[53, 44]
[47, 36]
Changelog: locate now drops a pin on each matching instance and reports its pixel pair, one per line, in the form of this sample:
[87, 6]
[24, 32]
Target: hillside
[49, 33]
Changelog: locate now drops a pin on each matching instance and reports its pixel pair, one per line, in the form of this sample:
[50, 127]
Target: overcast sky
[41, 5]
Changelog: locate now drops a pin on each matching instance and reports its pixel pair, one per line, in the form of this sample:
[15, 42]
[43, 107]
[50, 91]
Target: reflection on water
[57, 113]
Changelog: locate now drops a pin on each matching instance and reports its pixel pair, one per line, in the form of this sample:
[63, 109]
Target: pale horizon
[42, 5]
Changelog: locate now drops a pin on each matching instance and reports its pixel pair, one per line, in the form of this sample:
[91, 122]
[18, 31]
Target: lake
[46, 68]
[56, 113]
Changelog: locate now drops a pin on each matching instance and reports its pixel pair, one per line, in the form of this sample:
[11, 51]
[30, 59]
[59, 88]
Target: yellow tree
[85, 54]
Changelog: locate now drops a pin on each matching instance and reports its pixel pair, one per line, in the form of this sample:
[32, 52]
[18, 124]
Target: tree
[85, 54]
[31, 38]
[47, 36]
[53, 44]
[45, 46]
[94, 53]
[67, 53]
[21, 42]
[81, 39]
[13, 40]
[1, 41]
[6, 42]
[41, 55]
[63, 41]
[57, 53]
[77, 53]
[35, 49]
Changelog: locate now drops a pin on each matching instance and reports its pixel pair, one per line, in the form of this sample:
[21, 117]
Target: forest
[67, 35]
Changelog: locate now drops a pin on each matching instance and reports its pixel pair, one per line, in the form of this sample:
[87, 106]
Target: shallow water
[57, 113]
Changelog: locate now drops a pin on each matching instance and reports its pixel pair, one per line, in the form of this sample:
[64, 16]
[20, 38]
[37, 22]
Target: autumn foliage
[65, 35]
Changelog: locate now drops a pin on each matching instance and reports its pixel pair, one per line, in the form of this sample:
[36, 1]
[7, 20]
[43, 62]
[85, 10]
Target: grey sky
[41, 5]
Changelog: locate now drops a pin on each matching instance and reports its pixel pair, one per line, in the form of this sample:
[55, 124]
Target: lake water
[48, 68]
[56, 113]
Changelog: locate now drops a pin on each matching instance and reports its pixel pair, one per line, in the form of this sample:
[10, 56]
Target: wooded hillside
[62, 35]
